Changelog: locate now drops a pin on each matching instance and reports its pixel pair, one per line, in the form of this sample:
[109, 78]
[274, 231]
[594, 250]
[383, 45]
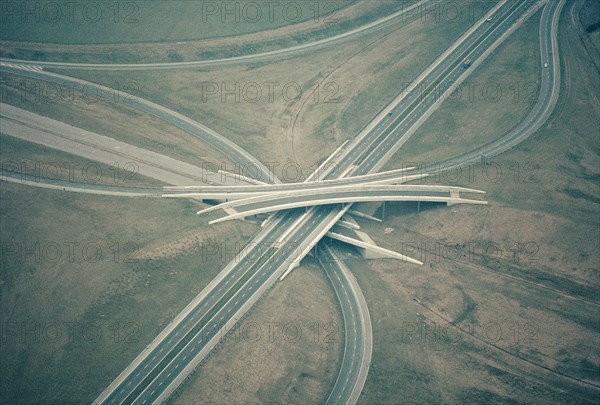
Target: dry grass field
[505, 308]
[191, 36]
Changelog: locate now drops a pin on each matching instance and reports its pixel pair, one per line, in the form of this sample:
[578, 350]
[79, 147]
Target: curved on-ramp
[544, 105]
[370, 27]
[358, 345]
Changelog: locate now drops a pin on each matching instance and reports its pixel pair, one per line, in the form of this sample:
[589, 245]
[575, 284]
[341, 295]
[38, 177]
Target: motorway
[311, 226]
[544, 105]
[376, 146]
[54, 134]
[358, 335]
[272, 264]
[195, 319]
[203, 133]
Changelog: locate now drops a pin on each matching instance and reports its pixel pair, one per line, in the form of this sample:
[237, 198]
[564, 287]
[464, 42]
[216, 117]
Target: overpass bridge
[277, 201]
[320, 222]
[229, 192]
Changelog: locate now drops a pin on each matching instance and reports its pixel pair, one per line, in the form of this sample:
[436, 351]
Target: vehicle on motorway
[545, 64]
[488, 19]
[467, 63]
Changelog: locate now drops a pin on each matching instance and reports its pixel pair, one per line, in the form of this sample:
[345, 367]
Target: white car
[545, 64]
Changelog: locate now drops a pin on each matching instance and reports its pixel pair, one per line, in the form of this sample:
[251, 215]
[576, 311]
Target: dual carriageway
[157, 372]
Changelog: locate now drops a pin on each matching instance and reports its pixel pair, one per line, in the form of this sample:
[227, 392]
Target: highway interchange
[157, 372]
